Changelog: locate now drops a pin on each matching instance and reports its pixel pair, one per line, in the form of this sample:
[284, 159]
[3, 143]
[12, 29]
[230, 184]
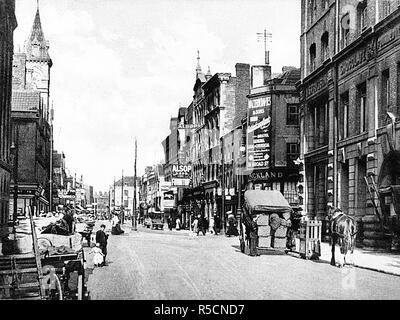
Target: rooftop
[25, 100]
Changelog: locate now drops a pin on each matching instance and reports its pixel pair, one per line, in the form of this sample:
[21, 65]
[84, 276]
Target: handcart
[272, 213]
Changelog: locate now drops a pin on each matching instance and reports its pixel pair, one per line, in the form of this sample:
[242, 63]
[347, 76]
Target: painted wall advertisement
[258, 133]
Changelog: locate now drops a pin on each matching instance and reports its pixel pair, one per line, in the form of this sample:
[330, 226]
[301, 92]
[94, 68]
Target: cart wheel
[44, 243]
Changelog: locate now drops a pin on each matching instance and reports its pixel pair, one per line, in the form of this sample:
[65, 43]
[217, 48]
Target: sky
[122, 68]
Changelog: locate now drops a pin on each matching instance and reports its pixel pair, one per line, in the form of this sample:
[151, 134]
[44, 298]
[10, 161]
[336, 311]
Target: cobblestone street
[171, 265]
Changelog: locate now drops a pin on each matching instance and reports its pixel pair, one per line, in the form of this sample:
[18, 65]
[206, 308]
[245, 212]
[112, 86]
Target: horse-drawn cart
[44, 266]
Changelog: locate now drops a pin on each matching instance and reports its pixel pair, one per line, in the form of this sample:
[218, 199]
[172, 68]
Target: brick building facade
[219, 104]
[272, 150]
[30, 120]
[8, 23]
[350, 93]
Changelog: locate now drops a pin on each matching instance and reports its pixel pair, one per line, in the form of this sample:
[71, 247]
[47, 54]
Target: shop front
[282, 179]
[29, 198]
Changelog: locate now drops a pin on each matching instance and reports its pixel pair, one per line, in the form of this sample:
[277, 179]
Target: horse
[343, 230]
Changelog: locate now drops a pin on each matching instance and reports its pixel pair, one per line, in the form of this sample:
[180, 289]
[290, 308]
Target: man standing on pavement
[253, 233]
[101, 238]
[216, 224]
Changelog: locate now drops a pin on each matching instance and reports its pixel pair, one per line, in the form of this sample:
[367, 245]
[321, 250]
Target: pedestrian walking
[232, 226]
[101, 239]
[195, 226]
[253, 234]
[206, 224]
[178, 224]
[169, 223]
[216, 224]
[201, 225]
[116, 225]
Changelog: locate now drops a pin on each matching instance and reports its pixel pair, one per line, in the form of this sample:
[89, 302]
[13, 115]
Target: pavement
[380, 261]
[162, 265]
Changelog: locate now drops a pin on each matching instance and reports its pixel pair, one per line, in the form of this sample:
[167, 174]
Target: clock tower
[31, 68]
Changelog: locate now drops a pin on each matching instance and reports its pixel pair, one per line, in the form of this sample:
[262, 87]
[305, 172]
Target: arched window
[345, 28]
[313, 56]
[325, 46]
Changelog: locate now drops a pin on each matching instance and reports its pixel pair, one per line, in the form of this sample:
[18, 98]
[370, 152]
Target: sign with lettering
[258, 134]
[261, 102]
[357, 59]
[388, 38]
[274, 175]
[316, 86]
[180, 171]
[186, 126]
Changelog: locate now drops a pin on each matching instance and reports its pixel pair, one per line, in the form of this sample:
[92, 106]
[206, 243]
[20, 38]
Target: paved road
[173, 265]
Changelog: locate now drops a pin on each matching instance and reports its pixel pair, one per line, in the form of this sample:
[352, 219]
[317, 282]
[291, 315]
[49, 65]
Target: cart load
[272, 213]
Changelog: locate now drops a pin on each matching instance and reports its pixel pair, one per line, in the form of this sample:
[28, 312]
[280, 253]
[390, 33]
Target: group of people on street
[100, 250]
[202, 224]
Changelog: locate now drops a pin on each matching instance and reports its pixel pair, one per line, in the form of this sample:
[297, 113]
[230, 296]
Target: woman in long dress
[195, 226]
[116, 226]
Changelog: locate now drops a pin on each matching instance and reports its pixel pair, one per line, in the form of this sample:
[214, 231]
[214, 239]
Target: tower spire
[36, 45]
[198, 68]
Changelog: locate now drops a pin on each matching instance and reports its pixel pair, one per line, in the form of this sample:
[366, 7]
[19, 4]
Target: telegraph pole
[134, 221]
[51, 158]
[122, 197]
[15, 150]
[75, 192]
[114, 196]
[223, 183]
[265, 37]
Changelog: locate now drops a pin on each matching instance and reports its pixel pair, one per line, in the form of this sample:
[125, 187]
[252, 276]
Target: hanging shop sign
[181, 174]
[180, 171]
[258, 133]
[187, 126]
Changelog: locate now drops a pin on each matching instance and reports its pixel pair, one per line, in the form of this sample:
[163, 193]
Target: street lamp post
[14, 150]
[134, 221]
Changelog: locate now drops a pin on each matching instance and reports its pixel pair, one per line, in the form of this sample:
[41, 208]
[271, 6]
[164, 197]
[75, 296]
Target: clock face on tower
[36, 78]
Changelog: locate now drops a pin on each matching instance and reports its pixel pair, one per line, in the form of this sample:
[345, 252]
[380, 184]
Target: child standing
[98, 255]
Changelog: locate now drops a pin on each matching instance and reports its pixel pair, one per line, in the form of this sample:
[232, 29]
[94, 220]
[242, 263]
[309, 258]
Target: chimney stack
[260, 75]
